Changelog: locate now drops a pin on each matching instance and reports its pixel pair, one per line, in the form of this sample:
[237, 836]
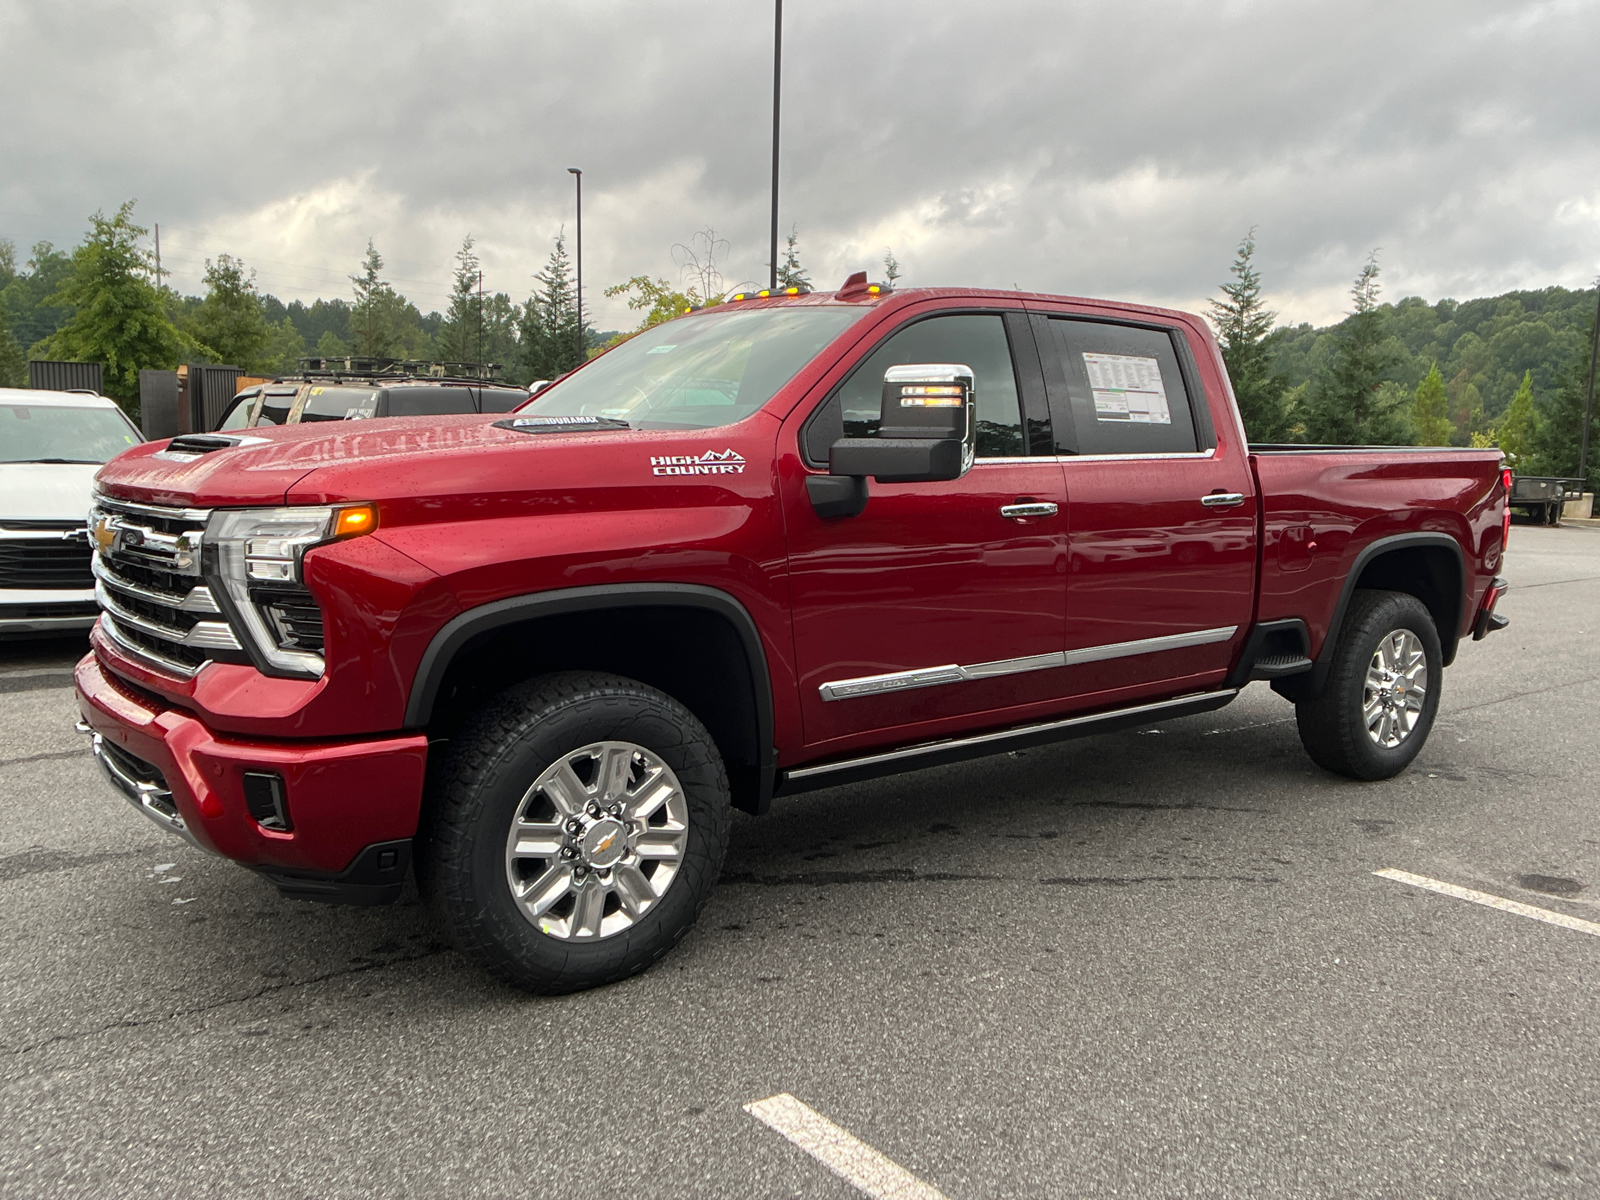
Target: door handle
[1223, 499]
[1036, 508]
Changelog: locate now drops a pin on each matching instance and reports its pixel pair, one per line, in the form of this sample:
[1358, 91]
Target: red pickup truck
[785, 543]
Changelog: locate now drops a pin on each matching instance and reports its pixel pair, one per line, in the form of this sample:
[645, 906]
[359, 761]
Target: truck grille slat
[44, 562]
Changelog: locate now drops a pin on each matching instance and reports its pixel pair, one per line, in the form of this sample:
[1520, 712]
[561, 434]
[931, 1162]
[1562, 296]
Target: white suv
[51, 445]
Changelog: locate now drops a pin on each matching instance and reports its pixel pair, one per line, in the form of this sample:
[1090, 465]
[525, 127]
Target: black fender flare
[461, 629]
[1448, 638]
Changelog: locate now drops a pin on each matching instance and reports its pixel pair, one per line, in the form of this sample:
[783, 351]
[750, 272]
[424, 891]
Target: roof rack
[352, 366]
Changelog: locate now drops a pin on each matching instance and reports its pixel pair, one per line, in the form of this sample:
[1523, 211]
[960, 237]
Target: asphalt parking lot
[1156, 963]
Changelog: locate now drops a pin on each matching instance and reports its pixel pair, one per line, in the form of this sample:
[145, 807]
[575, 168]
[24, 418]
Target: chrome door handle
[1223, 499]
[1018, 512]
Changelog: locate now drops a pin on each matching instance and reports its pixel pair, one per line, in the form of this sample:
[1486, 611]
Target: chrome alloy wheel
[597, 841]
[1396, 688]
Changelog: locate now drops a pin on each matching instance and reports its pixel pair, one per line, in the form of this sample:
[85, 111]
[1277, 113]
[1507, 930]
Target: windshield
[698, 372]
[238, 415]
[339, 403]
[55, 433]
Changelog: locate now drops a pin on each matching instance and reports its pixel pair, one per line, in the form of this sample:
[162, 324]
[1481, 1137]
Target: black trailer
[1541, 496]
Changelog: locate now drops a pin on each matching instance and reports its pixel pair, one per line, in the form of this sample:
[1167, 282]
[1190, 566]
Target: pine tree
[548, 331]
[119, 319]
[286, 348]
[378, 317]
[891, 267]
[1518, 426]
[329, 345]
[460, 336]
[1243, 322]
[231, 322]
[1430, 411]
[1342, 404]
[790, 273]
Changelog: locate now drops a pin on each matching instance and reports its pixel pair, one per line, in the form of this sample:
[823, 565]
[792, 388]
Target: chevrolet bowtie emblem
[606, 844]
[103, 533]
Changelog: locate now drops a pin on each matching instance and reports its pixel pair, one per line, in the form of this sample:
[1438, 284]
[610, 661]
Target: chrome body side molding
[899, 681]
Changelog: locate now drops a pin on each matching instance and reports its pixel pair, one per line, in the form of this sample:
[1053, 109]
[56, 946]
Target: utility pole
[480, 322]
[1588, 407]
[578, 177]
[158, 256]
[777, 96]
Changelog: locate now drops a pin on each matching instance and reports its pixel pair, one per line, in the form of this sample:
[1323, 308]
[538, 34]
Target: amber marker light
[354, 520]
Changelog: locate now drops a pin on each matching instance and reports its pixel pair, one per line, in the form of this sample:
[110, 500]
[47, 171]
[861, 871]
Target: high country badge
[712, 462]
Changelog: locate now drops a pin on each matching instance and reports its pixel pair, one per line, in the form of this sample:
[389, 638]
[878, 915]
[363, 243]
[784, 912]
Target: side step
[1279, 665]
[981, 745]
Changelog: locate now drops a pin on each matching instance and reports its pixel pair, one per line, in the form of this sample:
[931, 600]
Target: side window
[976, 339]
[1125, 388]
[430, 401]
[498, 400]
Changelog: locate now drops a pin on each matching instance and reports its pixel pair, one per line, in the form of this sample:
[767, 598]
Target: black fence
[210, 390]
[65, 376]
[158, 404]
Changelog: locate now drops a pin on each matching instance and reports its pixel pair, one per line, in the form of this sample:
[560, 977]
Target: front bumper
[351, 805]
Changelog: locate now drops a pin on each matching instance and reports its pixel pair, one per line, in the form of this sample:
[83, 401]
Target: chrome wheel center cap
[604, 843]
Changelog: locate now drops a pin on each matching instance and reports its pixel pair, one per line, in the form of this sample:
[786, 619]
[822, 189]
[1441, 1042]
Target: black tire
[1332, 726]
[478, 787]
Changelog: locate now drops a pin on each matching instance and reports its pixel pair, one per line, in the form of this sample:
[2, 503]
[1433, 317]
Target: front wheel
[1374, 714]
[575, 829]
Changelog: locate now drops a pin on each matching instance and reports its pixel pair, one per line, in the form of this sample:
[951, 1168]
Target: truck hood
[370, 460]
[46, 491]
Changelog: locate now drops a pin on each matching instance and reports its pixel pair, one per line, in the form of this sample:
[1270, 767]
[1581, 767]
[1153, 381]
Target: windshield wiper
[88, 462]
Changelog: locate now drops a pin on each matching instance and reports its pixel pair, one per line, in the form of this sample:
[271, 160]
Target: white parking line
[1484, 898]
[846, 1155]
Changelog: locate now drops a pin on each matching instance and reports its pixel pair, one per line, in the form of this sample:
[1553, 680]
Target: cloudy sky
[1118, 148]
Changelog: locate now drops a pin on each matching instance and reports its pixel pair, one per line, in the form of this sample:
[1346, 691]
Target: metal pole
[777, 95]
[578, 176]
[1588, 408]
[480, 322]
[158, 256]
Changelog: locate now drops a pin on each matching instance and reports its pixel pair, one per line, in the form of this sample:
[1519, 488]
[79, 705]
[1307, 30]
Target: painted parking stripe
[846, 1155]
[1484, 898]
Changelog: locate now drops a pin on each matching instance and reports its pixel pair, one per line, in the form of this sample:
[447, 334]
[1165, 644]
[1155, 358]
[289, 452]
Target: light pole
[577, 176]
[1588, 404]
[777, 93]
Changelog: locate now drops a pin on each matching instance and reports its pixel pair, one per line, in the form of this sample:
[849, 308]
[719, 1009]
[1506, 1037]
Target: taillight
[1505, 510]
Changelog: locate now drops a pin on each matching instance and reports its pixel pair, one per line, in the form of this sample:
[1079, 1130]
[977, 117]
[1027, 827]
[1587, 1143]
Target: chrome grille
[147, 584]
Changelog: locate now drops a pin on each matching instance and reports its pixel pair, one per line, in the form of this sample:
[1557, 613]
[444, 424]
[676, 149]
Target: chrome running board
[980, 745]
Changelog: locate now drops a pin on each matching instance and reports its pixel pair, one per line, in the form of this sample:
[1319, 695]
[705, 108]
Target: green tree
[286, 347]
[790, 273]
[461, 335]
[1243, 323]
[1343, 406]
[383, 323]
[891, 267]
[1430, 411]
[119, 319]
[1559, 424]
[230, 324]
[13, 359]
[329, 345]
[655, 298]
[28, 297]
[549, 323]
[1517, 428]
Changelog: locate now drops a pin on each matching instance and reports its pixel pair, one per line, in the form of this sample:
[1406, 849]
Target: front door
[940, 600]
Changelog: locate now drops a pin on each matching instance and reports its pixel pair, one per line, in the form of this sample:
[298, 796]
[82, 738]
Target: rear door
[940, 600]
[1162, 547]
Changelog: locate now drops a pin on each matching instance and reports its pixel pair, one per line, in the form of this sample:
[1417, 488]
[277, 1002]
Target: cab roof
[39, 398]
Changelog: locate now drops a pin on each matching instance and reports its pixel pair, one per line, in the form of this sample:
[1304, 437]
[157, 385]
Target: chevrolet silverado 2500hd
[786, 543]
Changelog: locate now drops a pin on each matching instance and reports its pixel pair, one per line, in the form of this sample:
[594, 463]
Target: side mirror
[927, 432]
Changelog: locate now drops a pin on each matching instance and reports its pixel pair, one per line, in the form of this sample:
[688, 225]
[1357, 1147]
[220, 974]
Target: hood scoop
[190, 446]
[561, 424]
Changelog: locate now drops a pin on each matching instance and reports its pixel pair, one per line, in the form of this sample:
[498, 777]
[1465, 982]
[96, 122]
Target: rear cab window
[429, 401]
[1125, 390]
[326, 403]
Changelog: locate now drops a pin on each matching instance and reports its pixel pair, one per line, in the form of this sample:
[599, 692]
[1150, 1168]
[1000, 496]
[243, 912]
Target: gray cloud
[1105, 149]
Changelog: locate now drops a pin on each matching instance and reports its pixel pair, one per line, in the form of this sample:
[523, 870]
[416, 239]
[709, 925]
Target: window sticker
[1127, 388]
[662, 349]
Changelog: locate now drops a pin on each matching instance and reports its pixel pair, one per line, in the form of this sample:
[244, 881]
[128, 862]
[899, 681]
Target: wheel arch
[1429, 566]
[696, 643]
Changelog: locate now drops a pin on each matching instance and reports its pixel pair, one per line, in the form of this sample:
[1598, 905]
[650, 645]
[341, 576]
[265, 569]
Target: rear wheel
[1377, 708]
[576, 828]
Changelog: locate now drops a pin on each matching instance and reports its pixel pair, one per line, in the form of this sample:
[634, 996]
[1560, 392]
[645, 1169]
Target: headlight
[253, 561]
